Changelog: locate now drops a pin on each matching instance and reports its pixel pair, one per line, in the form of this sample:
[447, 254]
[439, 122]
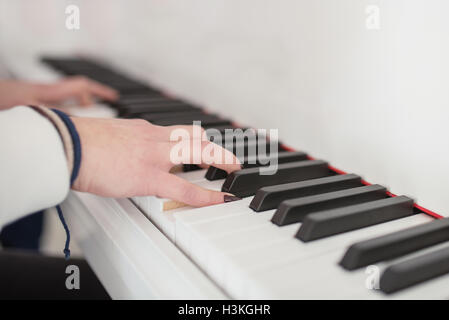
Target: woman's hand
[81, 89]
[125, 158]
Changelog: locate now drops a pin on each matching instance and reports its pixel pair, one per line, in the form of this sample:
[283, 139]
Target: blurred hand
[82, 90]
[125, 158]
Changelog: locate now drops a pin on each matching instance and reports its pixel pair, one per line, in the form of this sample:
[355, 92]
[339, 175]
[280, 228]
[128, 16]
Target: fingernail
[230, 198]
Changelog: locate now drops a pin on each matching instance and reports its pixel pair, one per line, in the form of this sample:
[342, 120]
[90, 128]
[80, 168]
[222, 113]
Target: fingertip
[233, 167]
[113, 95]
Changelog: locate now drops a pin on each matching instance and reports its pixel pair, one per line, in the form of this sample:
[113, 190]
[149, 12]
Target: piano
[308, 231]
[358, 208]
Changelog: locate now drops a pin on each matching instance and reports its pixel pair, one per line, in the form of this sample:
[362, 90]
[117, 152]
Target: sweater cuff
[63, 133]
[69, 137]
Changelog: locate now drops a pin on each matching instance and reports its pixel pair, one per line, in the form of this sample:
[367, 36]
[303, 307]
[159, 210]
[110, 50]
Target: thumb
[181, 190]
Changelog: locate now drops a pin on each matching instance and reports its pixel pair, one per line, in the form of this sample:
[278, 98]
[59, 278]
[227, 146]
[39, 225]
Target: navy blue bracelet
[76, 143]
[76, 167]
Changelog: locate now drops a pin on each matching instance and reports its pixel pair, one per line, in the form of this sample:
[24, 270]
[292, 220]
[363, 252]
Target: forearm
[33, 165]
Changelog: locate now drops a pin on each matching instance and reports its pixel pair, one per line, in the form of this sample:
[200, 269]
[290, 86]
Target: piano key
[247, 148]
[157, 205]
[170, 115]
[394, 245]
[159, 101]
[230, 255]
[222, 129]
[125, 100]
[236, 135]
[253, 161]
[246, 182]
[133, 90]
[190, 167]
[250, 148]
[207, 120]
[415, 270]
[135, 110]
[268, 198]
[327, 223]
[271, 271]
[185, 219]
[295, 210]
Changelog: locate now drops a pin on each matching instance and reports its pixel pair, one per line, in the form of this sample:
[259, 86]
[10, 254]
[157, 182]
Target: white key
[185, 220]
[153, 205]
[218, 253]
[289, 270]
[208, 233]
[161, 210]
[329, 281]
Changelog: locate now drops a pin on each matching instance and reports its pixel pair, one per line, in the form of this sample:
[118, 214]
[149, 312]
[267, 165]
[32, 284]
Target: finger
[178, 189]
[214, 155]
[204, 153]
[102, 91]
[85, 99]
[77, 87]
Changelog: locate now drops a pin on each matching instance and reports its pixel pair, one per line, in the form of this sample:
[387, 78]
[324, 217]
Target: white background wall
[372, 102]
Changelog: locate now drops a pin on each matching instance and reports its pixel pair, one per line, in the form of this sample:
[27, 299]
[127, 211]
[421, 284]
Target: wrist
[75, 142]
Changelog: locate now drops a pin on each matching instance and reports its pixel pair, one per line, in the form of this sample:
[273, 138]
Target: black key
[206, 120]
[139, 109]
[137, 98]
[170, 115]
[415, 270]
[295, 210]
[139, 104]
[190, 167]
[269, 198]
[246, 150]
[246, 182]
[236, 135]
[327, 223]
[254, 161]
[133, 90]
[251, 149]
[395, 244]
[223, 129]
[142, 99]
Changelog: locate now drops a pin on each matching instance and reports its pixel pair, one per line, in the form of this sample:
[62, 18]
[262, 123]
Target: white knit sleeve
[33, 167]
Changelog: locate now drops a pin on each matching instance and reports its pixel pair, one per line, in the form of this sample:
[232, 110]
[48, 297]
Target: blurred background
[372, 100]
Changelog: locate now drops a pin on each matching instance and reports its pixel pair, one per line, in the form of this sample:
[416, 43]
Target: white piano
[369, 101]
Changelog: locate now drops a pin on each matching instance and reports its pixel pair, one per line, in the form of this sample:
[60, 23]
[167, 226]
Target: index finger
[203, 153]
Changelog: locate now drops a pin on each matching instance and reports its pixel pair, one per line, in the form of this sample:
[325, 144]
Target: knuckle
[140, 122]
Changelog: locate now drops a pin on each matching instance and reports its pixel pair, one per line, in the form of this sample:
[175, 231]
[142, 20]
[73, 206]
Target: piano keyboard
[308, 231]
